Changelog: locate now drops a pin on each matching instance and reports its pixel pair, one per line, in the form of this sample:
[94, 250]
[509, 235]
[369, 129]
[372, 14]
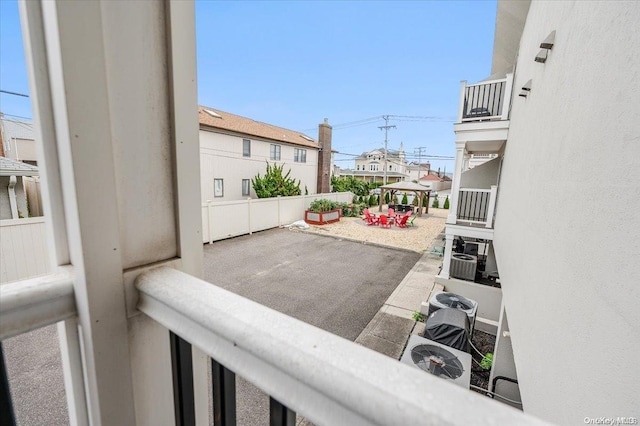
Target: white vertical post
[279, 221]
[71, 357]
[446, 259]
[76, 57]
[249, 214]
[455, 186]
[492, 206]
[183, 85]
[463, 87]
[506, 105]
[209, 222]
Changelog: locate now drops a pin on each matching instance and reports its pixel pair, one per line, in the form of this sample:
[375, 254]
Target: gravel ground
[416, 238]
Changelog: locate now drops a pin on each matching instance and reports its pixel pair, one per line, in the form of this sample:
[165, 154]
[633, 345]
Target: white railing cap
[324, 377]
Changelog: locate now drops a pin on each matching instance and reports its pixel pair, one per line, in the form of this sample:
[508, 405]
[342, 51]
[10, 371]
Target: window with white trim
[218, 187]
[246, 187]
[246, 148]
[299, 155]
[274, 152]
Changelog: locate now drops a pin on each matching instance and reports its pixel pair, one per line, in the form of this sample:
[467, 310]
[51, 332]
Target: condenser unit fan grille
[454, 301]
[437, 361]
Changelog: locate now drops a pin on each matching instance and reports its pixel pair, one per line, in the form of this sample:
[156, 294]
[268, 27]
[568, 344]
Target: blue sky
[292, 64]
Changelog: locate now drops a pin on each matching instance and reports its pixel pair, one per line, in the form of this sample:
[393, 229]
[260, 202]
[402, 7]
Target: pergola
[418, 189]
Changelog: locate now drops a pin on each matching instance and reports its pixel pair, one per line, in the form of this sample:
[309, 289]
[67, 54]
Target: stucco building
[234, 149]
[558, 106]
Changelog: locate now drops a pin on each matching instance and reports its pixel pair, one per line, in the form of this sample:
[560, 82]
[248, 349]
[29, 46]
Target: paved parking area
[334, 284]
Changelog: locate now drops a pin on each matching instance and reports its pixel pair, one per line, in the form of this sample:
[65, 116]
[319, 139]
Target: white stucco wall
[570, 264]
[481, 176]
[221, 157]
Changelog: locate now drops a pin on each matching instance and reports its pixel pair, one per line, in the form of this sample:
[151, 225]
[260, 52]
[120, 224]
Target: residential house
[13, 196]
[234, 149]
[18, 140]
[370, 166]
[560, 104]
[416, 170]
[18, 144]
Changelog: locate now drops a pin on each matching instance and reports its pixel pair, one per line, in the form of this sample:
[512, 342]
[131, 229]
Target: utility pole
[386, 128]
[419, 151]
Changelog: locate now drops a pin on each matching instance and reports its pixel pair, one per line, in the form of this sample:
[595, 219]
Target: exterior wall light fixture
[546, 46]
[525, 89]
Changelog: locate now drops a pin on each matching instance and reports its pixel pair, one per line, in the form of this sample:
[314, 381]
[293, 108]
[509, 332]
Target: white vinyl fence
[23, 249]
[227, 219]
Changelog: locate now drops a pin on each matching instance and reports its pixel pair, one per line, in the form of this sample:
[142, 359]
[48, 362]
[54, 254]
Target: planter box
[323, 218]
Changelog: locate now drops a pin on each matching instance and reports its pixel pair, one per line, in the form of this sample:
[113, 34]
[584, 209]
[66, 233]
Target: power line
[14, 93]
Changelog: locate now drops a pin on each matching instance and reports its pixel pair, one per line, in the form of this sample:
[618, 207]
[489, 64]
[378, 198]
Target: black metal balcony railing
[473, 205]
[484, 101]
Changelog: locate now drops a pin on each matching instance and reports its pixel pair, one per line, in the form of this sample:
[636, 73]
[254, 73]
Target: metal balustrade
[324, 377]
[487, 100]
[476, 206]
[327, 379]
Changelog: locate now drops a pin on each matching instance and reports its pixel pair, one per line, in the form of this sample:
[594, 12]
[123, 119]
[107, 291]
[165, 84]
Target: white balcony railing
[487, 100]
[324, 377]
[477, 206]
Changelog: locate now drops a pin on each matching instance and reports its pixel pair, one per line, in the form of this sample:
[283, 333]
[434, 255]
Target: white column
[446, 259]
[455, 185]
[77, 68]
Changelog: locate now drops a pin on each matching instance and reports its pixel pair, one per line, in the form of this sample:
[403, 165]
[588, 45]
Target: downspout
[13, 202]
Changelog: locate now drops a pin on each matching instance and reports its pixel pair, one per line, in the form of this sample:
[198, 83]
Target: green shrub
[275, 183]
[415, 200]
[377, 200]
[446, 203]
[323, 205]
[350, 184]
[436, 203]
[425, 201]
[354, 200]
[360, 200]
[405, 200]
[395, 199]
[387, 197]
[417, 316]
[372, 200]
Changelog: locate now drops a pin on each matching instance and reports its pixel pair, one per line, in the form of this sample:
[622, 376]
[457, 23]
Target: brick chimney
[324, 157]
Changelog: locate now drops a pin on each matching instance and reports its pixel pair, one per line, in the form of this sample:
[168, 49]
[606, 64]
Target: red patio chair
[383, 222]
[402, 222]
[371, 219]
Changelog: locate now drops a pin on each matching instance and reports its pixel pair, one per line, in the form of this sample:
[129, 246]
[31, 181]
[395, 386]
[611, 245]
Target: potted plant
[323, 211]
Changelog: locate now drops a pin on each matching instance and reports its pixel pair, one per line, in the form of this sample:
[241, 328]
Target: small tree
[415, 201]
[446, 203]
[405, 200]
[275, 183]
[377, 199]
[387, 197]
[395, 199]
[372, 200]
[425, 201]
[360, 199]
[354, 200]
[436, 203]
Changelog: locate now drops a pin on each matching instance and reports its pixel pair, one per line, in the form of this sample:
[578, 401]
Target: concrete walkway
[391, 327]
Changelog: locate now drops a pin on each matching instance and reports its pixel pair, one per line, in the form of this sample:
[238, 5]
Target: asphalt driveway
[336, 285]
